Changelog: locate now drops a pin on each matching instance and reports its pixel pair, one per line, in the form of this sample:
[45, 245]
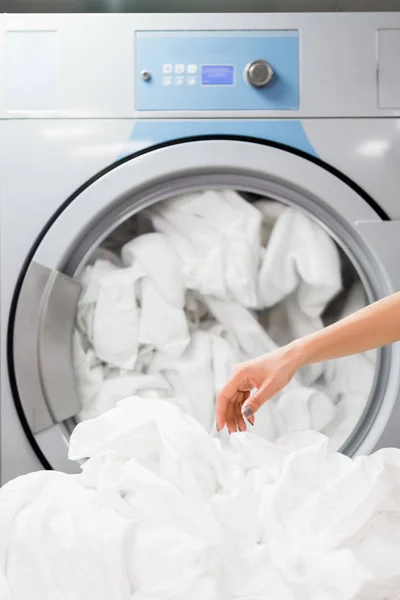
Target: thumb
[255, 402]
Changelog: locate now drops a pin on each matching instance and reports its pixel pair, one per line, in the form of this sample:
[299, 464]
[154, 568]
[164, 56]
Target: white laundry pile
[162, 511]
[218, 280]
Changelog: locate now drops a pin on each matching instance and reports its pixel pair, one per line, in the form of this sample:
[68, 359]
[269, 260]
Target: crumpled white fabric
[162, 511]
[116, 318]
[90, 280]
[299, 275]
[122, 384]
[300, 256]
[217, 236]
[163, 324]
[141, 304]
[252, 339]
[183, 311]
[191, 376]
[89, 370]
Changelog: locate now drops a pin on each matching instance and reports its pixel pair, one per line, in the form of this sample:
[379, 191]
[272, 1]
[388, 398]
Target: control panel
[217, 70]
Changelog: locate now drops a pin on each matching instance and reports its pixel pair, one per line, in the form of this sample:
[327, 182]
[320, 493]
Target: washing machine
[105, 115]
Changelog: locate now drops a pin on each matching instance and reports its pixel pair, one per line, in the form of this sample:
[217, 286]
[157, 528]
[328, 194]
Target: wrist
[299, 352]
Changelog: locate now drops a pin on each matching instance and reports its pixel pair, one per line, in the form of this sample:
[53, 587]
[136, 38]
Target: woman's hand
[269, 374]
[371, 327]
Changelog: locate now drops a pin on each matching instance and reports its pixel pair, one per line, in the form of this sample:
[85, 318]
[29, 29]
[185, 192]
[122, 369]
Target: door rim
[330, 174]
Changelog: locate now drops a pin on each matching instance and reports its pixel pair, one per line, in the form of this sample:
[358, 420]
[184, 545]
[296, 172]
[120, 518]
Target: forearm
[371, 327]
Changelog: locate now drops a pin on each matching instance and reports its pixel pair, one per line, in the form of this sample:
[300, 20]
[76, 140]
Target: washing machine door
[44, 309]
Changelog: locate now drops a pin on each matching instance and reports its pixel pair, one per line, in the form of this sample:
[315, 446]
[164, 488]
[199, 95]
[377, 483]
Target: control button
[166, 80]
[146, 76]
[191, 80]
[191, 69]
[179, 69]
[167, 69]
[179, 80]
[259, 73]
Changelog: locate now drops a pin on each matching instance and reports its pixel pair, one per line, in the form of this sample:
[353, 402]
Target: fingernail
[252, 424]
[247, 412]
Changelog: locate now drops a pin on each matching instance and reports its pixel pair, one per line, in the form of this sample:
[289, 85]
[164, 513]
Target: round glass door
[166, 271]
[179, 293]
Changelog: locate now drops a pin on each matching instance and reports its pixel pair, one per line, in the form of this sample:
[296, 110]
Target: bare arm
[371, 327]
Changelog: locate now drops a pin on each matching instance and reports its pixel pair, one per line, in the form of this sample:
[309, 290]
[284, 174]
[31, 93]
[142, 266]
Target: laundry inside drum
[179, 293]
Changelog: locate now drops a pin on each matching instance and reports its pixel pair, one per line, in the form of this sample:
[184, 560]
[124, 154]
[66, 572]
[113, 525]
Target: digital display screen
[217, 74]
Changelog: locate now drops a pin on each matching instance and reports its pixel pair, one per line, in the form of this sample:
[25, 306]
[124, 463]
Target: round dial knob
[146, 75]
[259, 73]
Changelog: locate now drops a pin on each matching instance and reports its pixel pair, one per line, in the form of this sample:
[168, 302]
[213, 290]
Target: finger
[220, 416]
[230, 388]
[254, 403]
[250, 420]
[231, 425]
[222, 408]
[240, 423]
[228, 394]
[246, 396]
[230, 417]
[225, 411]
[238, 414]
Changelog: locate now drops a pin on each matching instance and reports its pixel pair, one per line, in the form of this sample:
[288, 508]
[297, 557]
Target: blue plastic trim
[148, 133]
